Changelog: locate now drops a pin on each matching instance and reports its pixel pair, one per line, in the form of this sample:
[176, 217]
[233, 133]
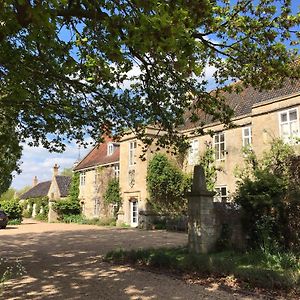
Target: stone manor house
[259, 118]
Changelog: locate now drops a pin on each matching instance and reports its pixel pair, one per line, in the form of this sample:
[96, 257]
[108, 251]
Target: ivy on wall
[167, 185]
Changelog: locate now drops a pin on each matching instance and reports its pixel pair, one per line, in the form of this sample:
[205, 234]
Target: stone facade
[264, 123]
[91, 192]
[96, 169]
[133, 172]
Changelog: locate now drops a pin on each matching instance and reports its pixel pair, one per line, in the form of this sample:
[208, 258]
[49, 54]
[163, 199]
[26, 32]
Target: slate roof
[243, 102]
[98, 156]
[40, 190]
[63, 183]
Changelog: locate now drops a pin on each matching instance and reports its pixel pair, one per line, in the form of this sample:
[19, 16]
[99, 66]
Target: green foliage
[41, 208]
[207, 161]
[12, 208]
[8, 195]
[267, 193]
[9, 270]
[67, 207]
[113, 194]
[48, 91]
[79, 219]
[255, 267]
[67, 172]
[167, 185]
[74, 188]
[71, 205]
[14, 222]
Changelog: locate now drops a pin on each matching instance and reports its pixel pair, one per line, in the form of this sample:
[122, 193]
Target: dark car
[3, 220]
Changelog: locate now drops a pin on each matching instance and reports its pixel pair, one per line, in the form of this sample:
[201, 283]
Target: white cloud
[38, 161]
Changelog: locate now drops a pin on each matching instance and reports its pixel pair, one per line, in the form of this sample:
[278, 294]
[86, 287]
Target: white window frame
[219, 197]
[82, 178]
[193, 151]
[247, 137]
[110, 149]
[219, 157]
[96, 207]
[132, 150]
[290, 138]
[134, 220]
[117, 170]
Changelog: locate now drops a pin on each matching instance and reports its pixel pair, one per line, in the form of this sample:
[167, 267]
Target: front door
[134, 213]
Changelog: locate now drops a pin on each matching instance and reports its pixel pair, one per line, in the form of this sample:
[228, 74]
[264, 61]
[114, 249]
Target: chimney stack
[34, 181]
[55, 170]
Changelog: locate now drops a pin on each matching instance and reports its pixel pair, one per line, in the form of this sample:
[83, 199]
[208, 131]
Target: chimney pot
[35, 181]
[55, 170]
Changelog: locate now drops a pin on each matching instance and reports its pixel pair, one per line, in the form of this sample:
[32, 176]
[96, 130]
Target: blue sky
[37, 161]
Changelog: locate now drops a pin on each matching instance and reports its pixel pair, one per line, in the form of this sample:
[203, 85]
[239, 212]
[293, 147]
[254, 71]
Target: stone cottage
[56, 188]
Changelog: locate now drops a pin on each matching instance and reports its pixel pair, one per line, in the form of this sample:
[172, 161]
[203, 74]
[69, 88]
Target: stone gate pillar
[52, 214]
[202, 229]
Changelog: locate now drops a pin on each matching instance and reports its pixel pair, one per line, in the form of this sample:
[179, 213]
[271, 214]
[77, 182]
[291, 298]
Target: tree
[65, 65]
[8, 195]
[67, 172]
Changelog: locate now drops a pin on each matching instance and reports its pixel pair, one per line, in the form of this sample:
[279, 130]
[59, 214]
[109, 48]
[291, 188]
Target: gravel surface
[64, 261]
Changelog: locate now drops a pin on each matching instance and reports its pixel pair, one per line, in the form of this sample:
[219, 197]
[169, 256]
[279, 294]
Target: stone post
[202, 230]
[34, 213]
[52, 214]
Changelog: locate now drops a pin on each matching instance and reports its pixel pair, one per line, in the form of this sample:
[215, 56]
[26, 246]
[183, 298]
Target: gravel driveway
[64, 261]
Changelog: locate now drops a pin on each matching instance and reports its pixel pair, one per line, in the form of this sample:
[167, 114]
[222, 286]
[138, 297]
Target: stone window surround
[247, 137]
[132, 155]
[219, 152]
[219, 197]
[82, 178]
[288, 122]
[193, 151]
[110, 149]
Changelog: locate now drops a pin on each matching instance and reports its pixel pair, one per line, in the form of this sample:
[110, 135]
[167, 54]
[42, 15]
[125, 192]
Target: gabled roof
[40, 190]
[243, 102]
[98, 156]
[63, 183]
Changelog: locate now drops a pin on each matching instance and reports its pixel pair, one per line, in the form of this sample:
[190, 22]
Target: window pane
[293, 115]
[294, 128]
[285, 130]
[284, 117]
[222, 137]
[246, 131]
[216, 138]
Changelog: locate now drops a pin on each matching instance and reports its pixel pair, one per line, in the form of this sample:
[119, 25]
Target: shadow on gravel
[68, 264]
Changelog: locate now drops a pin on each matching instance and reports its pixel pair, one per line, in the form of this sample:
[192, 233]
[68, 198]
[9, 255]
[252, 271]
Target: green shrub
[67, 207]
[270, 199]
[112, 194]
[12, 208]
[167, 185]
[14, 222]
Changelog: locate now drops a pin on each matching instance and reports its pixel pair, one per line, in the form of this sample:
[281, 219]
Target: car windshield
[2, 214]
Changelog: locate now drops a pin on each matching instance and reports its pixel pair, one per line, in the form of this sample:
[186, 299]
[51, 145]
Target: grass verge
[257, 268]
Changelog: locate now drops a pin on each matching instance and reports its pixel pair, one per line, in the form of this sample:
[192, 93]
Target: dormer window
[110, 149]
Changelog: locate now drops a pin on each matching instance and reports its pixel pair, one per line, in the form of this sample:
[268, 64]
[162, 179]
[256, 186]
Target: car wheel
[3, 227]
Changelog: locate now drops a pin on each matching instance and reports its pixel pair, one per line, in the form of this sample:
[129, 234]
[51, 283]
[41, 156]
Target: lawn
[256, 268]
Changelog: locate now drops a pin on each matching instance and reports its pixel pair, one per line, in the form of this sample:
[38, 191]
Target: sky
[37, 161]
